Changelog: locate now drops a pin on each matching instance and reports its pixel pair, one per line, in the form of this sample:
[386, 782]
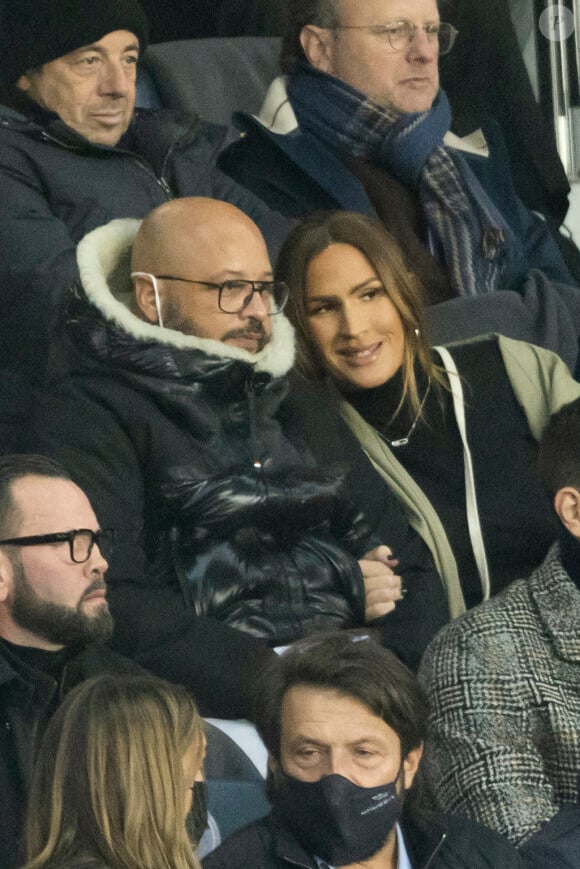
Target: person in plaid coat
[504, 686]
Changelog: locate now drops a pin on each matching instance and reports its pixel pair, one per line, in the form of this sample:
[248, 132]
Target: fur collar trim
[277, 116]
[103, 258]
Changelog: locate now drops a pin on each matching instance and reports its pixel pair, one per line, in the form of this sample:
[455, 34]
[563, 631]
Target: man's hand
[382, 586]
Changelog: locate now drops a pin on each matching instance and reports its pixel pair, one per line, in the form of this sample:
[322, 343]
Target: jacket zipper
[435, 852]
[254, 441]
[138, 161]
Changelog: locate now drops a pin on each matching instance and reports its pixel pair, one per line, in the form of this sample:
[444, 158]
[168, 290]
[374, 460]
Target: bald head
[205, 240]
[184, 231]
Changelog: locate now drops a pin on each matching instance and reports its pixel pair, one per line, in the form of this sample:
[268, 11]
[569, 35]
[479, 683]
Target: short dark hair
[299, 13]
[14, 467]
[559, 450]
[354, 664]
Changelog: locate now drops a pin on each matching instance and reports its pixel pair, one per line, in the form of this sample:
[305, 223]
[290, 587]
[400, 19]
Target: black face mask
[336, 820]
[197, 819]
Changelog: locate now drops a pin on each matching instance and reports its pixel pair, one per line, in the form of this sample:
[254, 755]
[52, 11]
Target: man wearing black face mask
[343, 720]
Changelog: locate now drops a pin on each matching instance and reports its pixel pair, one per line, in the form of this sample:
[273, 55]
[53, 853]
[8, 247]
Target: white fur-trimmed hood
[103, 258]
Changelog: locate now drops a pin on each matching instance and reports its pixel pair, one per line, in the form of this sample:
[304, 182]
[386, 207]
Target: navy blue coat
[295, 173]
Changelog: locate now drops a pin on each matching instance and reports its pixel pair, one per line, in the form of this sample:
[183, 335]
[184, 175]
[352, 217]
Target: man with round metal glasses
[172, 404]
[358, 122]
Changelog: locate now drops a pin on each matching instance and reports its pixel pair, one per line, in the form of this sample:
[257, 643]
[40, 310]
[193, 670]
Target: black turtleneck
[517, 521]
[433, 457]
[50, 663]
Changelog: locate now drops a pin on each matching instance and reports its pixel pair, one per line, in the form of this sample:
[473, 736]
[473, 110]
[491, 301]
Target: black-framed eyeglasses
[399, 34]
[81, 542]
[235, 295]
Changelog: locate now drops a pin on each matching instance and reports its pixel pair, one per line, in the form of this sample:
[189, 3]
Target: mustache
[254, 330]
[96, 585]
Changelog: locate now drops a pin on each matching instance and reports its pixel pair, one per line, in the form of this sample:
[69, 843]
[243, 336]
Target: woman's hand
[383, 587]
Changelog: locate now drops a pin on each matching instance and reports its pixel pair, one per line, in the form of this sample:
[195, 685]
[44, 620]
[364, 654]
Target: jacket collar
[287, 846]
[557, 603]
[103, 260]
[277, 116]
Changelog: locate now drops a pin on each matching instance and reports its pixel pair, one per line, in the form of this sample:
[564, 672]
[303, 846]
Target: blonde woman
[453, 431]
[114, 776]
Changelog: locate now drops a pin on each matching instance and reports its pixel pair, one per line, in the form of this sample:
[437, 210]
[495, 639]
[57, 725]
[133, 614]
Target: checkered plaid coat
[504, 684]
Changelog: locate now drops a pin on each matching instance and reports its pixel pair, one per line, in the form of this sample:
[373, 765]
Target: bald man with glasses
[237, 496]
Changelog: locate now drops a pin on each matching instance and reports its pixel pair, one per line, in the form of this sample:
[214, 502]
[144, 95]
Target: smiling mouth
[360, 356]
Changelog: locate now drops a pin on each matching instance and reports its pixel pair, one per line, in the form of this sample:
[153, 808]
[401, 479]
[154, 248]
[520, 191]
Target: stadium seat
[213, 77]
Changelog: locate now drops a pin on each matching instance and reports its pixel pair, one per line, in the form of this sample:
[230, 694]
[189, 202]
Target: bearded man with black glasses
[358, 122]
[54, 616]
[236, 495]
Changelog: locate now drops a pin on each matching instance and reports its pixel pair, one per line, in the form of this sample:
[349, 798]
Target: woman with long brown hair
[113, 778]
[453, 430]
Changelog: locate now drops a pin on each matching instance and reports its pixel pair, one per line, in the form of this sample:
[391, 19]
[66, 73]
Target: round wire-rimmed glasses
[400, 34]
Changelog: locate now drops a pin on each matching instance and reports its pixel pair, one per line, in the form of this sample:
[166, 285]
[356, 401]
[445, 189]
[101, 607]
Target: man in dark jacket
[344, 721]
[236, 497]
[54, 616]
[359, 123]
[74, 154]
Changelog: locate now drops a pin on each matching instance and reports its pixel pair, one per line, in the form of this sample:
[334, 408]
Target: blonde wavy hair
[314, 235]
[108, 780]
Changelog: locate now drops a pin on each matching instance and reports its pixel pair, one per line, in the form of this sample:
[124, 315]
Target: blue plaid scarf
[464, 223]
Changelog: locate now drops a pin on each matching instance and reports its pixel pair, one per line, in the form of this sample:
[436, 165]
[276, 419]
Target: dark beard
[61, 625]
[173, 318]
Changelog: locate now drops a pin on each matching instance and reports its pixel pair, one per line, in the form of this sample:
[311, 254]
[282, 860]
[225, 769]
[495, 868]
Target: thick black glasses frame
[104, 536]
[257, 287]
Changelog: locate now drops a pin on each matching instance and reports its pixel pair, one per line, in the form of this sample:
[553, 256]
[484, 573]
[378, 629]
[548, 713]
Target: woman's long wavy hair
[312, 237]
[108, 780]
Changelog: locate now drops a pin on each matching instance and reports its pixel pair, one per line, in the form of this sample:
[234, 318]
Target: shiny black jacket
[197, 453]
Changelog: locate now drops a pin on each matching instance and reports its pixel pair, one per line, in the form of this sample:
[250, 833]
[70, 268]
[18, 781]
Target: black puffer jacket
[261, 538]
[209, 465]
